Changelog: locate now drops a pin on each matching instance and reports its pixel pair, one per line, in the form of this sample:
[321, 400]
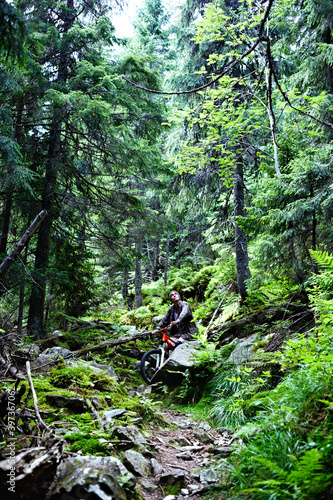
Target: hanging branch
[226, 70]
[285, 95]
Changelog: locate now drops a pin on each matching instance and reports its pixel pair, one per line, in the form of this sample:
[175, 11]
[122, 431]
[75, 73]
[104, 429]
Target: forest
[194, 155]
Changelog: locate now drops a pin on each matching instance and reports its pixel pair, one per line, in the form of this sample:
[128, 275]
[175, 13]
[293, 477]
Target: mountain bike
[153, 360]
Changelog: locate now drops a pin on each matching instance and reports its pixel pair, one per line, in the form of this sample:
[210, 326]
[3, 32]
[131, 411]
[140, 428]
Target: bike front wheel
[150, 363]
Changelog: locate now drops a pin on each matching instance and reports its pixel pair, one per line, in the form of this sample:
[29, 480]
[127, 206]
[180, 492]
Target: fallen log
[226, 332]
[111, 343]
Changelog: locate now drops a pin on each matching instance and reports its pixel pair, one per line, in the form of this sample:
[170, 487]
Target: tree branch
[226, 70]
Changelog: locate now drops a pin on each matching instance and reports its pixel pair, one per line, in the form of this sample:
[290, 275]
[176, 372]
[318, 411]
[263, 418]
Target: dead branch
[22, 243]
[10, 368]
[41, 424]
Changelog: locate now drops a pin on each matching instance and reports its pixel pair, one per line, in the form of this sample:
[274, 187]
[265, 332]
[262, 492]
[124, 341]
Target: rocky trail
[184, 459]
[168, 456]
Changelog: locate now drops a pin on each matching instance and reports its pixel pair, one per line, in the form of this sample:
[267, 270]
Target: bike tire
[150, 364]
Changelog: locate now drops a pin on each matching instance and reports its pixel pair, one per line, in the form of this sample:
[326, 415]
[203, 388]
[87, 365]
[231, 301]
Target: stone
[98, 368]
[98, 477]
[137, 463]
[191, 448]
[34, 470]
[147, 485]
[208, 476]
[53, 354]
[181, 440]
[184, 491]
[30, 352]
[206, 427]
[193, 487]
[243, 351]
[223, 450]
[108, 400]
[202, 436]
[111, 414]
[75, 429]
[57, 333]
[180, 360]
[172, 477]
[129, 433]
[156, 466]
[155, 321]
[75, 405]
[96, 402]
[184, 355]
[224, 430]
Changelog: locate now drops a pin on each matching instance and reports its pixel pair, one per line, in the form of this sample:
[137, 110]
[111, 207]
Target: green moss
[173, 489]
[87, 444]
[82, 377]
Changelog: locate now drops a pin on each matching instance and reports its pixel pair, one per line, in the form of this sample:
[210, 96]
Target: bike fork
[163, 353]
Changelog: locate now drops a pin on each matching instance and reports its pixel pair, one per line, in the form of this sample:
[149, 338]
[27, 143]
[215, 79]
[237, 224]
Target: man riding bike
[179, 317]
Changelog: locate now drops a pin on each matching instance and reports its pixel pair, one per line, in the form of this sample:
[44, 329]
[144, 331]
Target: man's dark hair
[174, 291]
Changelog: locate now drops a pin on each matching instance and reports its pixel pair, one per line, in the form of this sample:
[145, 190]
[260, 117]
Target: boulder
[108, 369]
[109, 415]
[31, 472]
[157, 467]
[130, 435]
[180, 360]
[155, 321]
[85, 476]
[243, 351]
[137, 463]
[75, 405]
[208, 475]
[52, 355]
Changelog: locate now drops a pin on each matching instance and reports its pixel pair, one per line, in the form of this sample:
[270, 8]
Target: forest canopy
[204, 139]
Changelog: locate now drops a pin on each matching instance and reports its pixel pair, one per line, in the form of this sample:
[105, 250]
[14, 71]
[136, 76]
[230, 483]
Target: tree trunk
[242, 259]
[9, 195]
[5, 222]
[37, 298]
[138, 273]
[166, 259]
[124, 291]
[154, 271]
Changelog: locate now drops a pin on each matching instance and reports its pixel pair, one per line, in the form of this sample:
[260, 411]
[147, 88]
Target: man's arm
[165, 321]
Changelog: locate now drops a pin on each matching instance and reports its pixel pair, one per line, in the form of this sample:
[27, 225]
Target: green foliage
[323, 258]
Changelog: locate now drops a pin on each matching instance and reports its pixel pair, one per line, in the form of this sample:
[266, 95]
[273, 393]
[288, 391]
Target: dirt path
[185, 456]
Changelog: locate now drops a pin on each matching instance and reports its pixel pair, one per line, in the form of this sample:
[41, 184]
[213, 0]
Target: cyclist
[179, 316]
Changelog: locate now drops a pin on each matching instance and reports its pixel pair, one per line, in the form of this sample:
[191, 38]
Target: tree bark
[5, 222]
[37, 298]
[154, 274]
[138, 274]
[166, 265]
[242, 259]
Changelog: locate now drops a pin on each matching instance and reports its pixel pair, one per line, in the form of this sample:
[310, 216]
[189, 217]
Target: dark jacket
[185, 326]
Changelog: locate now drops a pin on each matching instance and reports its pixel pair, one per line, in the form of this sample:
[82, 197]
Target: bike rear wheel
[150, 363]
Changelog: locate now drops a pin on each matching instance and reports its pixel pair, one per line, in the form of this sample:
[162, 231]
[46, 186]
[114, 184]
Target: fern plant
[322, 258]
